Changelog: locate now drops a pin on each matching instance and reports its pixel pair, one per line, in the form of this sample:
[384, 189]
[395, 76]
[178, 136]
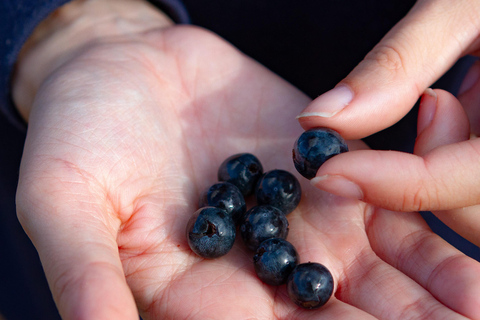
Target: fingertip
[338, 185]
[329, 104]
[427, 109]
[441, 121]
[357, 109]
[387, 179]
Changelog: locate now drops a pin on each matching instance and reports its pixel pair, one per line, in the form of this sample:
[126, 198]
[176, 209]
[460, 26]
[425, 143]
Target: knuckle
[416, 199]
[387, 57]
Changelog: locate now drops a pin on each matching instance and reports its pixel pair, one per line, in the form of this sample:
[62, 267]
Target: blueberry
[225, 196]
[210, 232]
[274, 260]
[261, 223]
[314, 147]
[242, 170]
[279, 188]
[310, 285]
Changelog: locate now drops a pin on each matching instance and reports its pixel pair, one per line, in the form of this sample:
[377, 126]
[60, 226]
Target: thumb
[443, 174]
[78, 251]
[388, 82]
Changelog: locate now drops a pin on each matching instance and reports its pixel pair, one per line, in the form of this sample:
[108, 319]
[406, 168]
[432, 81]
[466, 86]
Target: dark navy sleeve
[18, 19]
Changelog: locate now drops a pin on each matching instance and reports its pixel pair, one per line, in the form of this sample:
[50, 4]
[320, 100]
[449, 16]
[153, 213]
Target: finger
[441, 121]
[77, 247]
[388, 82]
[465, 221]
[405, 242]
[337, 239]
[443, 175]
[469, 96]
[450, 124]
[385, 292]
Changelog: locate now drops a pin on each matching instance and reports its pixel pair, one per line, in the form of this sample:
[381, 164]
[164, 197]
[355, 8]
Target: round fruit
[314, 147]
[225, 196]
[310, 285]
[274, 261]
[242, 170]
[210, 232]
[261, 223]
[279, 188]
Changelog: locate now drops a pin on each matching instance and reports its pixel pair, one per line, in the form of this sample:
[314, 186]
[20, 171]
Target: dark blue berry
[210, 232]
[225, 196]
[279, 188]
[242, 170]
[261, 223]
[274, 260]
[310, 285]
[314, 147]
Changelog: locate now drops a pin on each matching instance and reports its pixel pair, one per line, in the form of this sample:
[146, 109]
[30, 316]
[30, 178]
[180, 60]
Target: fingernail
[426, 113]
[338, 185]
[329, 103]
[470, 78]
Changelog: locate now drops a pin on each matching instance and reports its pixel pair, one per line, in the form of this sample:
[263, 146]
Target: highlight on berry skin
[314, 147]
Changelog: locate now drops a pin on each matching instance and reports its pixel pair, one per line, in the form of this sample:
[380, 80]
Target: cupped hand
[123, 138]
[443, 173]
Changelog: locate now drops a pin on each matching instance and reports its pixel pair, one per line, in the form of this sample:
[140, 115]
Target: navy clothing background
[312, 44]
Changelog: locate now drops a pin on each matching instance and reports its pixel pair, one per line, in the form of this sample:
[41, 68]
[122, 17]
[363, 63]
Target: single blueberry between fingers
[242, 170]
[310, 285]
[211, 232]
[279, 188]
[314, 147]
[225, 196]
[274, 260]
[261, 223]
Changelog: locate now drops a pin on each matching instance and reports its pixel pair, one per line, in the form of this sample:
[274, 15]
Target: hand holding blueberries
[443, 173]
[126, 133]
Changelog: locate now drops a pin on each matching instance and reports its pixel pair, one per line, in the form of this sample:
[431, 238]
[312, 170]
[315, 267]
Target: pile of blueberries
[212, 229]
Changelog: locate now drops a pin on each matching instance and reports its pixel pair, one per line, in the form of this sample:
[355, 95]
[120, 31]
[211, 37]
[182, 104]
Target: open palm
[122, 140]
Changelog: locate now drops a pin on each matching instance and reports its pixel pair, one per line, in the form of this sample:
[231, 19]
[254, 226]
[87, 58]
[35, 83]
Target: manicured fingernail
[470, 78]
[329, 103]
[428, 107]
[338, 185]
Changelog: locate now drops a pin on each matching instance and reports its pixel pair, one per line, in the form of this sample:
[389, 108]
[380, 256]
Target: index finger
[387, 83]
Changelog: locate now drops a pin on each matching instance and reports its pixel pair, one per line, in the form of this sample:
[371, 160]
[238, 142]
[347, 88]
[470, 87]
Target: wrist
[69, 30]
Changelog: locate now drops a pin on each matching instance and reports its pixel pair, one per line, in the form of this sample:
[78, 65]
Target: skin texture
[121, 140]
